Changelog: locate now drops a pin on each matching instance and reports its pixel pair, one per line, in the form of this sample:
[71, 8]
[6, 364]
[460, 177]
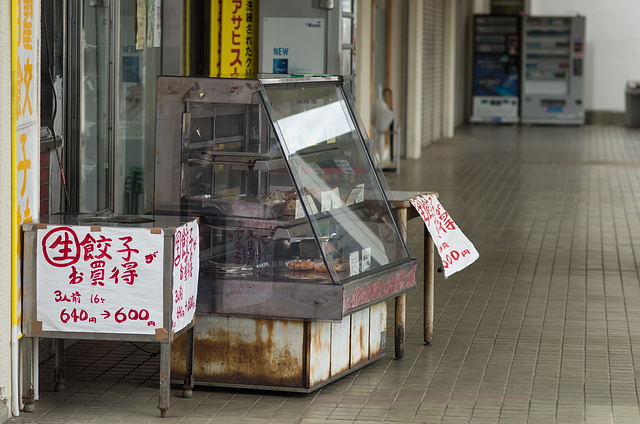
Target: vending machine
[496, 68]
[553, 70]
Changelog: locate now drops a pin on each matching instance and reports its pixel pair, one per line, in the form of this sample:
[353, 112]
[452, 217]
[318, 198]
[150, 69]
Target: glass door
[115, 57]
[88, 138]
[138, 58]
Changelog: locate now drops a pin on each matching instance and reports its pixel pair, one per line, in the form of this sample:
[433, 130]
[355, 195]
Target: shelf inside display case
[294, 218]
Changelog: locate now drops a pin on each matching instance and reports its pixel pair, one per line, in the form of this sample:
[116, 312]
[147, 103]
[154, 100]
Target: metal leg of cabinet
[187, 388]
[165, 378]
[59, 366]
[28, 376]
[406, 212]
[165, 371]
[401, 301]
[428, 286]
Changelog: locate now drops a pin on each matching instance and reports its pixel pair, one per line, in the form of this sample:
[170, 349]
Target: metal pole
[401, 301]
[165, 373]
[59, 366]
[428, 286]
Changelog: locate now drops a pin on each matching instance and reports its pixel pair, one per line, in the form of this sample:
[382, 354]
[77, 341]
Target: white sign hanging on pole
[186, 267]
[455, 249]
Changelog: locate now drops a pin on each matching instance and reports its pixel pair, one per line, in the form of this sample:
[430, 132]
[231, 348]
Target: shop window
[115, 57]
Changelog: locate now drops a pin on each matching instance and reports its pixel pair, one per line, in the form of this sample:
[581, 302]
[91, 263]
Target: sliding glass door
[115, 56]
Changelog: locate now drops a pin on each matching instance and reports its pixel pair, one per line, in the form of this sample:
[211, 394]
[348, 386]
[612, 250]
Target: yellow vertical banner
[25, 136]
[214, 34]
[238, 38]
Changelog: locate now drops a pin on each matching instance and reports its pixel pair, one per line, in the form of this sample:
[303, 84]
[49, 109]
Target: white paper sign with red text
[104, 281]
[186, 266]
[455, 249]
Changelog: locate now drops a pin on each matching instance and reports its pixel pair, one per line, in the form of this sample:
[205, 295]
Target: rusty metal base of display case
[285, 389]
[283, 355]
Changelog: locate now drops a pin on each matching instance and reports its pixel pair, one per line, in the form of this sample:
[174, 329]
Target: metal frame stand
[406, 212]
[33, 331]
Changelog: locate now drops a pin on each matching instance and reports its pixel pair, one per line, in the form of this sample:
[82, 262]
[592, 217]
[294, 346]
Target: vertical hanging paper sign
[214, 35]
[154, 23]
[186, 267]
[25, 133]
[151, 22]
[455, 249]
[157, 26]
[238, 38]
[141, 23]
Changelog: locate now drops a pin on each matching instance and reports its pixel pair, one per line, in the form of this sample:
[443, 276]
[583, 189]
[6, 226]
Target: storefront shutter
[433, 71]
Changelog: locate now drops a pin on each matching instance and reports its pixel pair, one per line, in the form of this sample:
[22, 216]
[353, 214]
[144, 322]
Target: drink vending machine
[496, 68]
[553, 74]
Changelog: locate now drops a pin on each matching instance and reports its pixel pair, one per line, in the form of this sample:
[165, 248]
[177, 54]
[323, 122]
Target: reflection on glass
[136, 130]
[346, 31]
[346, 62]
[313, 126]
[334, 175]
[94, 107]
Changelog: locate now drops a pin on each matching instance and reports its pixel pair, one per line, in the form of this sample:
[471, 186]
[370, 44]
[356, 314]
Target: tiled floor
[543, 328]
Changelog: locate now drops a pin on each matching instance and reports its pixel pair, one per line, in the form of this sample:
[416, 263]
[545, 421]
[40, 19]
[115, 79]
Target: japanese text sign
[27, 27]
[238, 38]
[104, 281]
[25, 132]
[454, 248]
[186, 263]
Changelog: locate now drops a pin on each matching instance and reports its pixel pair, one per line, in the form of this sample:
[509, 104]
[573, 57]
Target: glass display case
[298, 240]
[294, 216]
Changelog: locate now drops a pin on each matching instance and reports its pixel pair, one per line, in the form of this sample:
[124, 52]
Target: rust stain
[224, 356]
[179, 357]
[336, 371]
[340, 346]
[316, 340]
[320, 353]
[362, 344]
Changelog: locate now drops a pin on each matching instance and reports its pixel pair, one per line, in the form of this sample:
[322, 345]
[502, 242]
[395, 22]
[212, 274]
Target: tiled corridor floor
[543, 328]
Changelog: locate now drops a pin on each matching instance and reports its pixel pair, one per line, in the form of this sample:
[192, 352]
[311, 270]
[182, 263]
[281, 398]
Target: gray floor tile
[543, 328]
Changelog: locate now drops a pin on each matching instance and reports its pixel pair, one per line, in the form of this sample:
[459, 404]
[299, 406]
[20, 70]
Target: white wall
[5, 206]
[481, 6]
[612, 54]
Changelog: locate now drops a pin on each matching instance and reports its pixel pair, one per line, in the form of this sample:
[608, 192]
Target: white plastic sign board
[292, 46]
[109, 280]
[455, 249]
[186, 263]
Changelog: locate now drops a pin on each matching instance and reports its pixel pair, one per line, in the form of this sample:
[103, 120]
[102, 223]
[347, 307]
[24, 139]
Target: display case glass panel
[340, 192]
[293, 214]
